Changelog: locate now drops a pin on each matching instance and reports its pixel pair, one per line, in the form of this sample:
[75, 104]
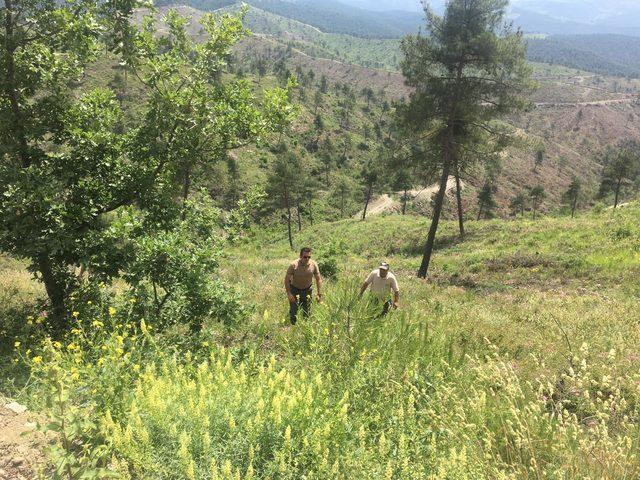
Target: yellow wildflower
[112, 311]
[75, 314]
[17, 344]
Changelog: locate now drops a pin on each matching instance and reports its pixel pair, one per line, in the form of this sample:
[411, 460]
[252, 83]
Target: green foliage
[486, 201]
[466, 72]
[330, 254]
[78, 453]
[573, 194]
[189, 119]
[240, 219]
[537, 195]
[621, 169]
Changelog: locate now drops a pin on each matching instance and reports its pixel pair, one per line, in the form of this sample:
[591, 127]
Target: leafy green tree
[572, 195]
[283, 187]
[537, 195]
[467, 70]
[622, 167]
[68, 169]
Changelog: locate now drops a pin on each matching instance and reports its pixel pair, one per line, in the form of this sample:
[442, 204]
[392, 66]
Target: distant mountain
[396, 18]
[413, 6]
[605, 54]
[578, 16]
[336, 17]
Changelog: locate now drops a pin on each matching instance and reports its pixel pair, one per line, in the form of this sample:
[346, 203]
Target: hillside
[197, 228]
[523, 319]
[615, 55]
[577, 113]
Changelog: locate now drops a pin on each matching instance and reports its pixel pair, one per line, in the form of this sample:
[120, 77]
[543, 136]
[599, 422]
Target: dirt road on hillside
[614, 101]
[420, 197]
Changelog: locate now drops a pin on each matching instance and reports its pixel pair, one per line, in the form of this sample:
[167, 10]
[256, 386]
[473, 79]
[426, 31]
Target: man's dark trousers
[303, 299]
[385, 307]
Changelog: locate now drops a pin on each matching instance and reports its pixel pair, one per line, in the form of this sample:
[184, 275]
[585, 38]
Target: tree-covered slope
[329, 16]
[605, 54]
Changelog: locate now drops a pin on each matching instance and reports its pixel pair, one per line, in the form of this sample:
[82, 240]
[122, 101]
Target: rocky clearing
[21, 445]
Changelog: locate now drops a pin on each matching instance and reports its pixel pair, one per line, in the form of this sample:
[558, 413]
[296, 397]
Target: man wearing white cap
[382, 282]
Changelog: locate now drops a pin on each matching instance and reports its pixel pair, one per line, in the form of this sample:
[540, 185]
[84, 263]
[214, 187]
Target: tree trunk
[459, 202]
[311, 212]
[535, 207]
[404, 201]
[366, 201]
[480, 207]
[298, 212]
[573, 206]
[56, 291]
[288, 207]
[615, 201]
[437, 207]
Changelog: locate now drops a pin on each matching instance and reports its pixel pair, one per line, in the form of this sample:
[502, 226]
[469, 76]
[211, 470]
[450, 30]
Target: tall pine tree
[466, 71]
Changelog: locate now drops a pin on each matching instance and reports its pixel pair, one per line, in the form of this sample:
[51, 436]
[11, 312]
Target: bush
[329, 255]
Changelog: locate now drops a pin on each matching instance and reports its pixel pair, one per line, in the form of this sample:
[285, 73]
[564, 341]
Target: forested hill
[345, 110]
[331, 16]
[605, 54]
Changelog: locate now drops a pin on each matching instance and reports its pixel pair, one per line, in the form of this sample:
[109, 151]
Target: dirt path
[21, 446]
[613, 101]
[420, 197]
[383, 204]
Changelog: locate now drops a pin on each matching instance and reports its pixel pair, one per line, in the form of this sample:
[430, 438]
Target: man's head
[383, 269]
[305, 255]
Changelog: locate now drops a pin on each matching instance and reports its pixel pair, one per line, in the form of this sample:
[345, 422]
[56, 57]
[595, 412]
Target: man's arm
[287, 285]
[318, 278]
[366, 283]
[396, 292]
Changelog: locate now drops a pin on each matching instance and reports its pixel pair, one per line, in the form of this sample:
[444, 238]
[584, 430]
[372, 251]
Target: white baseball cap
[384, 266]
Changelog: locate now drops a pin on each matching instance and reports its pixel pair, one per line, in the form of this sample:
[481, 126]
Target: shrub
[329, 255]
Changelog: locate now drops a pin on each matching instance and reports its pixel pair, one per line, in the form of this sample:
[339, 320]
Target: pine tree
[486, 201]
[518, 204]
[571, 196]
[284, 186]
[622, 167]
[537, 195]
[469, 69]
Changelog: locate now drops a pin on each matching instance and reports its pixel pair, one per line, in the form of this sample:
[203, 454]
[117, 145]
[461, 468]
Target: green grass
[515, 359]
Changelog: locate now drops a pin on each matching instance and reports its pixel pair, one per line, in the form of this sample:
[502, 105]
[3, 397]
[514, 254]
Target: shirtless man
[298, 282]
